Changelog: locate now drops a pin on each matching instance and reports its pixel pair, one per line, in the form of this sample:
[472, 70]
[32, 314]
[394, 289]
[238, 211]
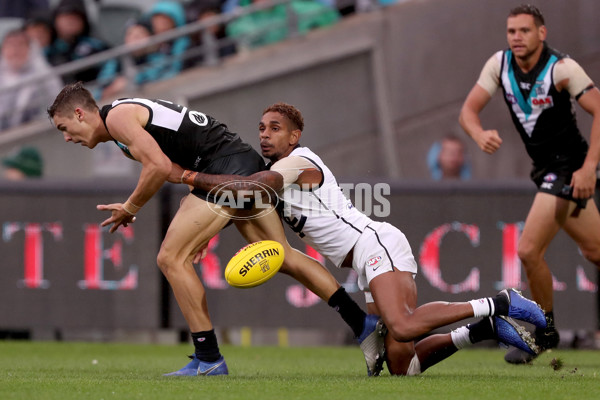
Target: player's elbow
[462, 117]
[268, 179]
[272, 179]
[163, 168]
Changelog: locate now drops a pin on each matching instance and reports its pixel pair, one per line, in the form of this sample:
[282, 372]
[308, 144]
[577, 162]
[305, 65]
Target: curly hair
[70, 97]
[288, 111]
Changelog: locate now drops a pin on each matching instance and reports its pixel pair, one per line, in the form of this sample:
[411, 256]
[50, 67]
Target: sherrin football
[254, 264]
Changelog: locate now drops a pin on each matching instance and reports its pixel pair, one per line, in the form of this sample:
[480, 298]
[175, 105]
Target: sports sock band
[350, 312]
[483, 307]
[460, 337]
[206, 346]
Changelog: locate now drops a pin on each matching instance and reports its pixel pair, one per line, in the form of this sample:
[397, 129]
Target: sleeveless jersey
[323, 217]
[544, 117]
[189, 138]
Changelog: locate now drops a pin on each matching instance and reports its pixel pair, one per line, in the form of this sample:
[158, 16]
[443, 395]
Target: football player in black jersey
[539, 84]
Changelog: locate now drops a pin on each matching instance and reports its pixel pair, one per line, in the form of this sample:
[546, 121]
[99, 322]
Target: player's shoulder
[291, 161]
[124, 110]
[568, 64]
[308, 154]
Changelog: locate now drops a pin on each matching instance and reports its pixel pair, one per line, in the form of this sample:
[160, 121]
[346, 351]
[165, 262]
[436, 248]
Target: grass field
[61, 371]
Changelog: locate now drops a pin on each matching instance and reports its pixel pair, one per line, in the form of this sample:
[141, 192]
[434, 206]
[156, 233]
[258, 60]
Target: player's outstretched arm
[235, 183]
[126, 125]
[260, 181]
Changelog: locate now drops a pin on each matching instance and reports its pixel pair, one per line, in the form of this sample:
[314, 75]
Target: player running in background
[156, 133]
[539, 84]
[322, 216]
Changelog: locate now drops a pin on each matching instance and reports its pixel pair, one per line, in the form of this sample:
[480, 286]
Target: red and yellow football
[254, 264]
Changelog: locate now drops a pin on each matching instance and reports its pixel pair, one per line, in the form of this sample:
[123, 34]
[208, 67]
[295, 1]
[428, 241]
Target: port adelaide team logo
[198, 118]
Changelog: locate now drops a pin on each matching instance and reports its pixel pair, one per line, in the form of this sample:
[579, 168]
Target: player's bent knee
[162, 262]
[528, 256]
[400, 331]
[167, 261]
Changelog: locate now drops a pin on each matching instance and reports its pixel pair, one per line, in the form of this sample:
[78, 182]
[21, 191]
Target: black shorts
[246, 163]
[556, 182]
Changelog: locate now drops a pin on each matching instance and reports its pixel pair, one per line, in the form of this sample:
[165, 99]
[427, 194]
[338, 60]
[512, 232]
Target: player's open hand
[118, 216]
[489, 141]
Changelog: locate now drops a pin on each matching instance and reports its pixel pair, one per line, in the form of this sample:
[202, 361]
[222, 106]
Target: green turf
[61, 371]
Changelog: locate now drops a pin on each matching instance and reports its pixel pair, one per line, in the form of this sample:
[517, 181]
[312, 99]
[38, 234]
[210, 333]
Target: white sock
[460, 337]
[483, 307]
[415, 367]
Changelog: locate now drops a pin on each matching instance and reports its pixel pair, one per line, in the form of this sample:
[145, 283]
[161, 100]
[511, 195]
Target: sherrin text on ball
[254, 264]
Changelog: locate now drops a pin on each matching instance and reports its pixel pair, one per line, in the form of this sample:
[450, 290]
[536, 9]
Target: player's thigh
[268, 226]
[258, 225]
[584, 227]
[194, 224]
[395, 295]
[546, 216]
[391, 299]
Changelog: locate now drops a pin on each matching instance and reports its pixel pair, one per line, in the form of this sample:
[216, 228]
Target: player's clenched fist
[488, 141]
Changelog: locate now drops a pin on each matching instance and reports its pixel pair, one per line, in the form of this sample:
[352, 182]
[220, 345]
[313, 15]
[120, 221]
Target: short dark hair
[70, 97]
[528, 9]
[289, 111]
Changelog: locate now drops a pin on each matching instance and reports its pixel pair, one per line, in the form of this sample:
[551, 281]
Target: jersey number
[296, 224]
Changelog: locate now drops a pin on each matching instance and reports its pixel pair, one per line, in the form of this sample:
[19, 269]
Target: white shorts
[381, 248]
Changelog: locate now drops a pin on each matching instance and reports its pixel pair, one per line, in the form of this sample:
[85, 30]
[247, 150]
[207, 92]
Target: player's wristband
[188, 177]
[130, 208]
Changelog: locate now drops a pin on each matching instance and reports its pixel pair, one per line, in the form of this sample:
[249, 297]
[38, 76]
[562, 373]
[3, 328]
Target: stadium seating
[112, 19]
[8, 24]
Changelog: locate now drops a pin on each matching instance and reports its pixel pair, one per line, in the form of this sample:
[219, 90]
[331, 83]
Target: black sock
[548, 337]
[350, 312]
[500, 304]
[481, 330]
[205, 345]
[550, 320]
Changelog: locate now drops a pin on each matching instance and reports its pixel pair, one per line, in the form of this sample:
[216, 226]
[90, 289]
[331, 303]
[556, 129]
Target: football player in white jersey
[317, 210]
[539, 86]
[157, 133]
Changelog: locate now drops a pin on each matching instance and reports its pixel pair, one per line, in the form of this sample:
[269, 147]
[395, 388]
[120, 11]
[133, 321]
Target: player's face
[277, 138]
[524, 37]
[75, 129]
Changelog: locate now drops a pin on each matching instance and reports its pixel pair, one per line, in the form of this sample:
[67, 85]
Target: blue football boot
[371, 342]
[202, 368]
[508, 332]
[524, 309]
[546, 339]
